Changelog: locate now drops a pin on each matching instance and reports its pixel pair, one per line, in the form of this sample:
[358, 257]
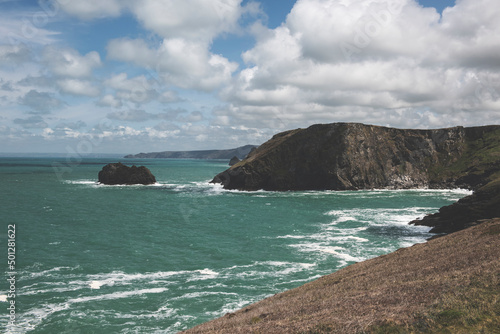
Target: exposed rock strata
[467, 212]
[351, 156]
[118, 173]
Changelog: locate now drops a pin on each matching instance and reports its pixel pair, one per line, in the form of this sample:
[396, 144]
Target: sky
[130, 76]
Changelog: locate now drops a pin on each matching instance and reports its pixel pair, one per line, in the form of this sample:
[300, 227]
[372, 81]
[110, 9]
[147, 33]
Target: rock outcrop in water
[118, 173]
[351, 156]
[467, 212]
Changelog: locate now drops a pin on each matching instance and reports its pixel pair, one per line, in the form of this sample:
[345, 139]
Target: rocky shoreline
[483, 204]
[353, 156]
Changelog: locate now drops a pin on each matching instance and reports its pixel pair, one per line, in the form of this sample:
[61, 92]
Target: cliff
[484, 203]
[240, 152]
[351, 156]
[430, 287]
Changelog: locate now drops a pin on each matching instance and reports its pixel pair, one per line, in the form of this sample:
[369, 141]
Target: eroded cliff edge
[351, 156]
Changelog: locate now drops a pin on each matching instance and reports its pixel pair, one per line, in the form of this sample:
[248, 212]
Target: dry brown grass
[447, 285]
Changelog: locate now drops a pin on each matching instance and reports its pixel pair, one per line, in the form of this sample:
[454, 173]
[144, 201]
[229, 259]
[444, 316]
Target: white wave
[49, 272]
[345, 219]
[116, 295]
[32, 318]
[96, 284]
[3, 298]
[350, 237]
[335, 251]
[163, 312]
[400, 216]
[205, 274]
[288, 236]
[201, 294]
[83, 182]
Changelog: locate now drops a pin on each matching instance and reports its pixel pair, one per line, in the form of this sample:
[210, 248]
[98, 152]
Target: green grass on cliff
[479, 157]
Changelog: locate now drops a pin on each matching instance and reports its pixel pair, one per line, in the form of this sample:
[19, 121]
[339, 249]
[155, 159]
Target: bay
[162, 258]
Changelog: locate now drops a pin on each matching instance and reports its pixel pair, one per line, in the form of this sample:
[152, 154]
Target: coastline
[427, 287]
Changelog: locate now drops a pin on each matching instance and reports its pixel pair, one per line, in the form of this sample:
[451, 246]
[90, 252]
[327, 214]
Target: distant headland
[239, 152]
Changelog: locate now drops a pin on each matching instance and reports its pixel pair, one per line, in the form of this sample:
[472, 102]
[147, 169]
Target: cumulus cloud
[68, 62]
[372, 61]
[40, 102]
[138, 90]
[78, 87]
[195, 20]
[178, 61]
[183, 57]
[191, 19]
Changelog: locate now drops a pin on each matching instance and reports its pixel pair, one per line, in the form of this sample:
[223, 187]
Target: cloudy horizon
[123, 76]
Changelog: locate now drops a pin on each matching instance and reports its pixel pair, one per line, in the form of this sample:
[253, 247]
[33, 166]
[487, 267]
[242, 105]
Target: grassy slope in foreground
[447, 285]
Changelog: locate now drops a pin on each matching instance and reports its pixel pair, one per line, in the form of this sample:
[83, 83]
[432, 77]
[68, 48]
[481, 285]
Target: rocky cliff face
[467, 212]
[350, 156]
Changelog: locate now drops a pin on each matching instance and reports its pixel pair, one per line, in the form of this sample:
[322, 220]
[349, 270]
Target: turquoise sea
[91, 258]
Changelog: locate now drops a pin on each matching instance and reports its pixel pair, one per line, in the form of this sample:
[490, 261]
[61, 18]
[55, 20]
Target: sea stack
[118, 173]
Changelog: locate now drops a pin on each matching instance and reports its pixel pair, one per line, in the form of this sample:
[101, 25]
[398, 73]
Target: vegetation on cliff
[350, 156]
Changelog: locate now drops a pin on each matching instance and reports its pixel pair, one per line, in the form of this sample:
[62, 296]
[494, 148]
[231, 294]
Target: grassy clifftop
[447, 285]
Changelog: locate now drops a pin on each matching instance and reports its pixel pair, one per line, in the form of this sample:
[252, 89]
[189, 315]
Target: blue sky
[124, 76]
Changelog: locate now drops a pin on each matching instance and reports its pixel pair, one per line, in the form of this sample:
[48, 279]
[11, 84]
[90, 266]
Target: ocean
[90, 258]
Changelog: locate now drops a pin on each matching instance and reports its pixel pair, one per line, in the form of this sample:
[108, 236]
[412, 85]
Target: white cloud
[194, 20]
[132, 50]
[69, 63]
[136, 90]
[78, 87]
[178, 62]
[183, 57]
[373, 61]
